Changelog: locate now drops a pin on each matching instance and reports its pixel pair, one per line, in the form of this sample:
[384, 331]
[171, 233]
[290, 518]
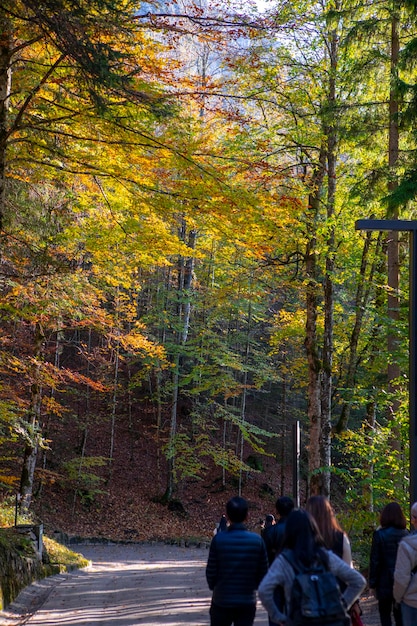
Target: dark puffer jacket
[236, 564]
[382, 562]
[274, 539]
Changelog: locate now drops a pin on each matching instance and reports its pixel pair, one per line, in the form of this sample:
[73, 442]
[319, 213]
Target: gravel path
[129, 585]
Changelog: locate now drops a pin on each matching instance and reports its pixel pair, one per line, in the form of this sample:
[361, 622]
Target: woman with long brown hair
[335, 539]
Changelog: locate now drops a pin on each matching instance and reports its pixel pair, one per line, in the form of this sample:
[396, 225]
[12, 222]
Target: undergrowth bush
[62, 556]
[359, 526]
[8, 515]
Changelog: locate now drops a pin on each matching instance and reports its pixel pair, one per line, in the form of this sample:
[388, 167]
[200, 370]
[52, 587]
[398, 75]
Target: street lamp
[410, 227]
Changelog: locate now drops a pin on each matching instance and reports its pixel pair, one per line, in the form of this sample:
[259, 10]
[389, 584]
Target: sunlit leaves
[372, 461]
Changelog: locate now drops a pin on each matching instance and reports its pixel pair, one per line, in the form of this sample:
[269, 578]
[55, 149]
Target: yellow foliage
[288, 325]
[137, 342]
[10, 481]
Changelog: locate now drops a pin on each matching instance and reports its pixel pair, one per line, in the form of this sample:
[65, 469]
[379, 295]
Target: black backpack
[316, 599]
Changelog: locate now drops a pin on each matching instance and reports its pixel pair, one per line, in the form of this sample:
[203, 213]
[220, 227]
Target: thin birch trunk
[85, 425]
[185, 281]
[114, 400]
[161, 294]
[244, 394]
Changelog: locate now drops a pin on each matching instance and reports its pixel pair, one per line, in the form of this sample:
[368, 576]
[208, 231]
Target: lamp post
[296, 463]
[410, 227]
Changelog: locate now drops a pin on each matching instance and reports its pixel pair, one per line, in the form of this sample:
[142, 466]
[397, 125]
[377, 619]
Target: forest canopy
[179, 185]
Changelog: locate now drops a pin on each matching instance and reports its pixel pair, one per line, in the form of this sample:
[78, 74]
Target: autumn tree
[65, 70]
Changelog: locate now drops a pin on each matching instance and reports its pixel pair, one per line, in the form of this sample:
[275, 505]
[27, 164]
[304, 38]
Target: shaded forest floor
[131, 511]
[127, 507]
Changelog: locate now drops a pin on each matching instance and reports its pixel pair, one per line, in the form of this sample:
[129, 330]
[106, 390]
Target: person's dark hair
[284, 506]
[237, 509]
[303, 537]
[392, 516]
[321, 509]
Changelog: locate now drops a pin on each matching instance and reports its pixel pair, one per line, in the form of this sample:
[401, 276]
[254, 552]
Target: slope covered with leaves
[124, 504]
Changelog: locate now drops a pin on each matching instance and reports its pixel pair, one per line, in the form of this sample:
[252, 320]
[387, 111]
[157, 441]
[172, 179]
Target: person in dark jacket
[222, 524]
[384, 548]
[236, 564]
[274, 535]
[267, 523]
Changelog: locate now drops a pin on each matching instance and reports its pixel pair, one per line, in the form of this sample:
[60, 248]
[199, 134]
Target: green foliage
[80, 476]
[9, 419]
[375, 463]
[405, 192]
[11, 540]
[359, 525]
[10, 426]
[188, 455]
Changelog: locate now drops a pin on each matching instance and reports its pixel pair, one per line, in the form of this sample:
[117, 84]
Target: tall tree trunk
[185, 280]
[244, 394]
[85, 421]
[392, 240]
[327, 365]
[5, 87]
[162, 305]
[32, 444]
[283, 439]
[311, 339]
[374, 351]
[60, 337]
[114, 400]
[327, 381]
[224, 439]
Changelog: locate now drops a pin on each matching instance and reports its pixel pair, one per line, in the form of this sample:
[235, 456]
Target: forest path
[128, 585]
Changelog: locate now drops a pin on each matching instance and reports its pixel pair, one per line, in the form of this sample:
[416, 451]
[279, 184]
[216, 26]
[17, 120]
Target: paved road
[125, 586]
[128, 586]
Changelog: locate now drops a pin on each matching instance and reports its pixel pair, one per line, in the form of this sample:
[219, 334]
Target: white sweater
[281, 573]
[405, 585]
